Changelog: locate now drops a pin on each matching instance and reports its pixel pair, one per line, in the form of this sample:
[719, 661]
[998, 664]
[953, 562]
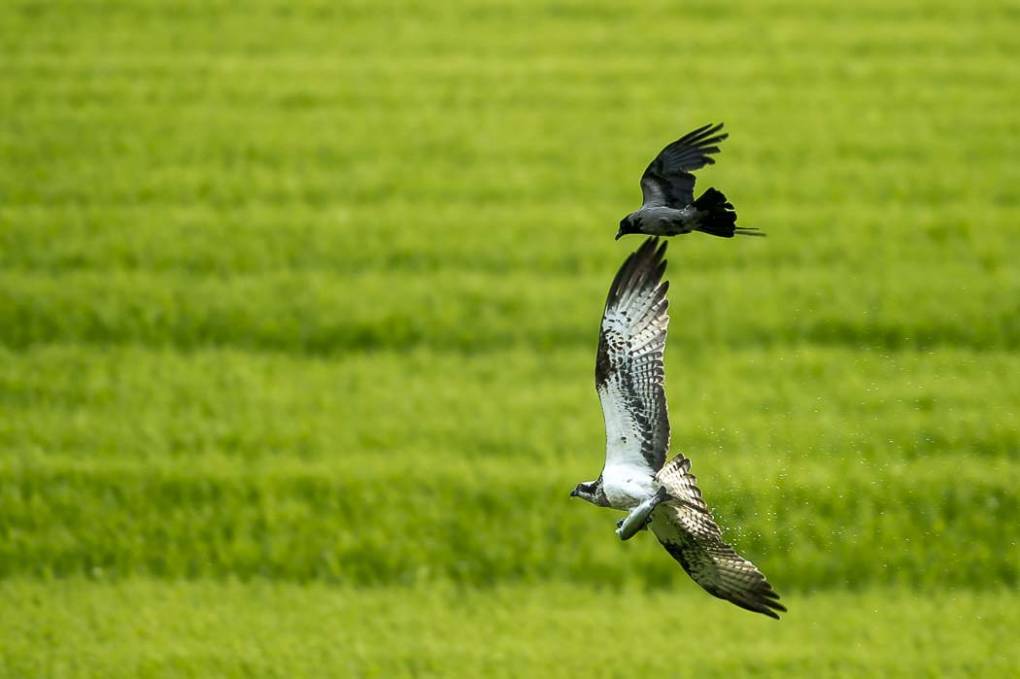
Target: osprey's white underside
[627, 478]
[627, 486]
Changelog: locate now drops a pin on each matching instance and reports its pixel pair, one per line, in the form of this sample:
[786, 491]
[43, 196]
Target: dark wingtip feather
[763, 607]
[766, 607]
[706, 134]
[697, 132]
[648, 258]
[706, 130]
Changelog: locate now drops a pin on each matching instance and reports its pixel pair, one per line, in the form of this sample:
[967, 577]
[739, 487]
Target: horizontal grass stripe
[327, 314]
[138, 403]
[268, 237]
[940, 522]
[146, 627]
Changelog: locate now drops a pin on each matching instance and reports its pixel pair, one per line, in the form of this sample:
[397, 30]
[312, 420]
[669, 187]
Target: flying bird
[636, 477]
[667, 189]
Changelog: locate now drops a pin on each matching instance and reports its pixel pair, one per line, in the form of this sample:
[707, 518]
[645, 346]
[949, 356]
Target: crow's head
[628, 224]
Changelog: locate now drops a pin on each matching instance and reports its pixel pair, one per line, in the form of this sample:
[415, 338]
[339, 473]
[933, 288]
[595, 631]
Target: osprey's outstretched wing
[685, 527]
[628, 366]
[668, 180]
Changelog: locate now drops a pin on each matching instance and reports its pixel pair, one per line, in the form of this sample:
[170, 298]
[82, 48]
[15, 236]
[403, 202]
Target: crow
[667, 188]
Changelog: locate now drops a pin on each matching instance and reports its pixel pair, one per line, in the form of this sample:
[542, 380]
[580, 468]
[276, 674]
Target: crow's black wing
[668, 180]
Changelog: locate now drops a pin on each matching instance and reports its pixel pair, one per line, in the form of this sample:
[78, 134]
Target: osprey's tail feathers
[718, 216]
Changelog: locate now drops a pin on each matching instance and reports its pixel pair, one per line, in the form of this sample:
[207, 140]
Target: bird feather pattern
[629, 362]
[685, 528]
[667, 181]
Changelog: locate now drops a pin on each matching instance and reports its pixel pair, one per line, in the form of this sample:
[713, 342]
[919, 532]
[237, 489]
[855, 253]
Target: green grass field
[298, 311]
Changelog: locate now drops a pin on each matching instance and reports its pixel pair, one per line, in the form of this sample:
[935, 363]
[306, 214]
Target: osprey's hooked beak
[573, 493]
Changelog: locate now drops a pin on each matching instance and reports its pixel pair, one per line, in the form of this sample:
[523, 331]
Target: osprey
[664, 497]
[667, 189]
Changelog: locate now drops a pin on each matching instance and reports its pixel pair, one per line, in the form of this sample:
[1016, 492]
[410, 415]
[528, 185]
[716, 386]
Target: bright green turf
[298, 307]
[896, 459]
[155, 628]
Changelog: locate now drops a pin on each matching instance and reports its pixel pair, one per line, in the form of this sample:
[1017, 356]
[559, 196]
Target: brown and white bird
[665, 497]
[667, 189]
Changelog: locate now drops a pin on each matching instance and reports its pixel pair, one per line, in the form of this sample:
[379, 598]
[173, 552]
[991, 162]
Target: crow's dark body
[665, 221]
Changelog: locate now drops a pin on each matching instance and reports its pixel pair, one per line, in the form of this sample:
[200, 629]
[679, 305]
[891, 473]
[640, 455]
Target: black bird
[667, 188]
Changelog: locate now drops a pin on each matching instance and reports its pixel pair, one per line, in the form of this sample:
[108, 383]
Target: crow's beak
[619, 234]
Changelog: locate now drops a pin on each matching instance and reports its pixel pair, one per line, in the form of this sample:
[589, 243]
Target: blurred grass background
[298, 311]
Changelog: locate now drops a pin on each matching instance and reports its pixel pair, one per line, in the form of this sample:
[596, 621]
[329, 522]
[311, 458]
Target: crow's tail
[718, 217]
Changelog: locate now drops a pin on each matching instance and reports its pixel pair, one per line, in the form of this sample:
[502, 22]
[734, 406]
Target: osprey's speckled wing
[628, 366]
[685, 527]
[668, 180]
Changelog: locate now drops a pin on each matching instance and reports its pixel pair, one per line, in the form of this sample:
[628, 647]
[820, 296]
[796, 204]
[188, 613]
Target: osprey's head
[591, 491]
[628, 224]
